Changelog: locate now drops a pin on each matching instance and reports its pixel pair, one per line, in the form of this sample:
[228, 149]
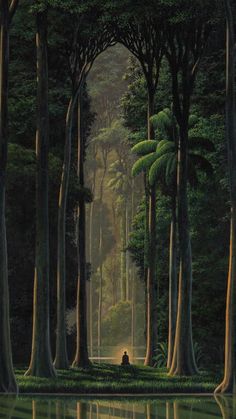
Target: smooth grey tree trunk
[41, 360]
[61, 359]
[183, 361]
[81, 356]
[7, 378]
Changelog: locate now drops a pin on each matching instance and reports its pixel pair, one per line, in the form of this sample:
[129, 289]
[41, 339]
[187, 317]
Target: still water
[190, 407]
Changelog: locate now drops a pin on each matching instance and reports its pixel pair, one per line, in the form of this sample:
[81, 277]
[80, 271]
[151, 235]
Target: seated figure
[125, 359]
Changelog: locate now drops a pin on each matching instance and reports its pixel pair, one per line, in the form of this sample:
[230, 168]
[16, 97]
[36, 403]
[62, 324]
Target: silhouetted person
[125, 359]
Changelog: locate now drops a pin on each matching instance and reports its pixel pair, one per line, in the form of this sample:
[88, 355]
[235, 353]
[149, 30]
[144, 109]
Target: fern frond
[143, 163]
[158, 168]
[144, 147]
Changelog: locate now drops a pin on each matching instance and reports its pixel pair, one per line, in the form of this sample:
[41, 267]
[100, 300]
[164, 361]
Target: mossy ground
[114, 379]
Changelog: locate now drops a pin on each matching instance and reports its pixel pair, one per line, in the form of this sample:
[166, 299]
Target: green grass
[114, 379]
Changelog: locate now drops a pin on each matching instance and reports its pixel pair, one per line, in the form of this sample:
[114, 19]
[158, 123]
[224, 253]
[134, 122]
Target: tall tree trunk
[183, 362]
[127, 267]
[228, 384]
[172, 283]
[7, 378]
[100, 288]
[91, 263]
[151, 271]
[41, 360]
[81, 357]
[91, 278]
[151, 283]
[123, 256]
[100, 257]
[61, 359]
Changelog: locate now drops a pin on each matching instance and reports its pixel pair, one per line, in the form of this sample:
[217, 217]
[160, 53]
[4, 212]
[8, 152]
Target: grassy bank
[114, 379]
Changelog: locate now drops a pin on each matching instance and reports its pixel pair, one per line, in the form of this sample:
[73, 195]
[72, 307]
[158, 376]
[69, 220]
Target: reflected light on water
[62, 407]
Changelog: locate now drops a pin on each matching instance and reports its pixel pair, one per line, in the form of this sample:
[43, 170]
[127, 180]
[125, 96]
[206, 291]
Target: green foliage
[143, 163]
[144, 147]
[161, 355]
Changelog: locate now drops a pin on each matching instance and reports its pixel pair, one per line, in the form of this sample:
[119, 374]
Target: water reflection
[156, 408]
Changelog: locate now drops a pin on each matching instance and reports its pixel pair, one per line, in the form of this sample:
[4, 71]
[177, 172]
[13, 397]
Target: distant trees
[141, 31]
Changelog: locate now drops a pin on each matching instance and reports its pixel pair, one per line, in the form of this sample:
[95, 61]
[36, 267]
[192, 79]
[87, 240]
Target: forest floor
[114, 379]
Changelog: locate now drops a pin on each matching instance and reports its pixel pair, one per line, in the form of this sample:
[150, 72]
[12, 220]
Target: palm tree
[160, 159]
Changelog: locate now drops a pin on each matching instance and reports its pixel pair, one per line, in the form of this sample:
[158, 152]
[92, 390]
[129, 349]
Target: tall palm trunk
[228, 384]
[151, 242]
[41, 360]
[183, 361]
[81, 357]
[7, 378]
[172, 283]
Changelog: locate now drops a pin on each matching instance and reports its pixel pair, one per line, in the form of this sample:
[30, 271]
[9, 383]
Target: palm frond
[165, 146]
[158, 168]
[144, 147]
[171, 168]
[143, 163]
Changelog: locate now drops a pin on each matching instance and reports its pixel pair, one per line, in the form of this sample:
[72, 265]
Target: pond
[184, 407]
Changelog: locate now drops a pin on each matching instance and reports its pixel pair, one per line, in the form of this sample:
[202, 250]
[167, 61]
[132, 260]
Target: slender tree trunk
[133, 293]
[183, 362]
[91, 278]
[81, 357]
[123, 256]
[150, 113]
[100, 288]
[100, 258]
[172, 283]
[151, 271]
[127, 267]
[91, 263]
[151, 283]
[228, 384]
[7, 378]
[41, 360]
